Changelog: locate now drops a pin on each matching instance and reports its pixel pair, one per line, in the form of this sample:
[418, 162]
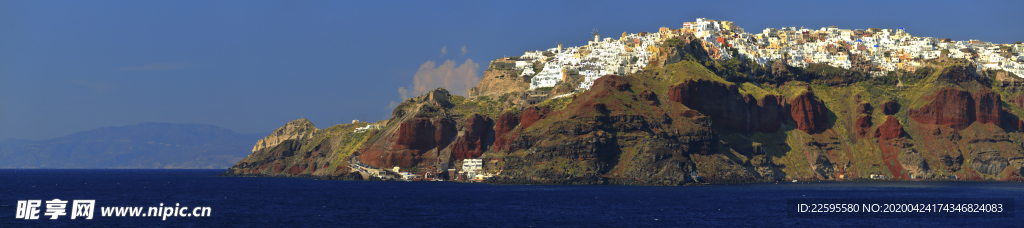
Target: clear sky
[251, 66]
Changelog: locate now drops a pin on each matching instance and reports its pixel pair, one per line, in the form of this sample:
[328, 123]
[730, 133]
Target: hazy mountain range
[146, 145]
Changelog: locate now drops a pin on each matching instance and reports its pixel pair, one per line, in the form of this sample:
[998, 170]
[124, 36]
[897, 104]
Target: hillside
[689, 117]
[142, 146]
[299, 149]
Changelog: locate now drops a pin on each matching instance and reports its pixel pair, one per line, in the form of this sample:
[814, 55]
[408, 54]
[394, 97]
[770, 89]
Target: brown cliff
[497, 81]
[413, 139]
[988, 107]
[809, 113]
[890, 141]
[505, 124]
[303, 151]
[890, 129]
[725, 105]
[531, 115]
[948, 106]
[959, 108]
[612, 135]
[475, 138]
[863, 123]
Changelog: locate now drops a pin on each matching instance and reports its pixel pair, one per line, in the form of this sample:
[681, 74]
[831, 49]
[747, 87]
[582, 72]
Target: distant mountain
[146, 146]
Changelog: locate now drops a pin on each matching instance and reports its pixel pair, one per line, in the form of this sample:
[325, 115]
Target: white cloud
[403, 93]
[456, 79]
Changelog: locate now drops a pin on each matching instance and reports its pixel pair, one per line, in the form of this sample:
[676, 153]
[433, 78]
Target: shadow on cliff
[830, 119]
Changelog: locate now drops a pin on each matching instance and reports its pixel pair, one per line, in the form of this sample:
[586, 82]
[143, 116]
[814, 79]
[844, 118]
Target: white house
[548, 77]
[471, 167]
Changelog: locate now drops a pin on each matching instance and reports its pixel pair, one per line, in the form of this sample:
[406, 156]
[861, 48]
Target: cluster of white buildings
[626, 55]
[367, 127]
[885, 50]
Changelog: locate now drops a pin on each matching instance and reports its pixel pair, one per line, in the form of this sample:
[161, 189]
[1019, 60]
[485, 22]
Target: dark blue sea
[294, 202]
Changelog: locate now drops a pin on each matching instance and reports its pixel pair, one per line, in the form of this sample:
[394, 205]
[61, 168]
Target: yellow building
[774, 44]
[783, 38]
[727, 25]
[653, 50]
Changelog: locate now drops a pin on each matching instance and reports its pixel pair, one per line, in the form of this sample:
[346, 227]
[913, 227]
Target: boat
[794, 181]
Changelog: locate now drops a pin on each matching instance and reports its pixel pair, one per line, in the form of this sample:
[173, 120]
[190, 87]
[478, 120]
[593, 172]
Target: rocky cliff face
[498, 81]
[298, 149]
[502, 128]
[476, 137]
[431, 133]
[809, 112]
[890, 129]
[863, 124]
[743, 112]
[988, 107]
[686, 48]
[420, 134]
[679, 122]
[294, 130]
[958, 108]
[532, 114]
[950, 107]
[615, 134]
[726, 106]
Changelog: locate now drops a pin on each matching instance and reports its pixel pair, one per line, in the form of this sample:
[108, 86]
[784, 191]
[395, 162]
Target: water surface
[297, 202]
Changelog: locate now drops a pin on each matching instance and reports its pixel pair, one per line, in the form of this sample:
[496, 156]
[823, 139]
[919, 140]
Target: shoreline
[605, 181]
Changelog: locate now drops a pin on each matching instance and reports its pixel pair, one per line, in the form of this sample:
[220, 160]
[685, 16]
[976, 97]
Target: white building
[368, 127]
[472, 167]
[548, 77]
[472, 164]
[886, 48]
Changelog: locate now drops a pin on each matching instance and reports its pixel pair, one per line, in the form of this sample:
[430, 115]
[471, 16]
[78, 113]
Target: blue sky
[251, 66]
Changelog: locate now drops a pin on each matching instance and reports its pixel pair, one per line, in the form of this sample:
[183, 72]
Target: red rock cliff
[726, 106]
[505, 124]
[475, 138]
[808, 112]
[890, 129]
[988, 107]
[415, 134]
[531, 115]
[414, 137]
[958, 108]
[444, 132]
[889, 134]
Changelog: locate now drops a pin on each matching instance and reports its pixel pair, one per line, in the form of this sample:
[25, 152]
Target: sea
[306, 202]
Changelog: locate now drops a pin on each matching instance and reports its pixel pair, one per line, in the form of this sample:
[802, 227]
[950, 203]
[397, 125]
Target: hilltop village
[704, 103]
[875, 51]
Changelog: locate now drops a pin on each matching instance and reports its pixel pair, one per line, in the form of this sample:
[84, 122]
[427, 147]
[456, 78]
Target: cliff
[499, 81]
[294, 130]
[687, 118]
[298, 149]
